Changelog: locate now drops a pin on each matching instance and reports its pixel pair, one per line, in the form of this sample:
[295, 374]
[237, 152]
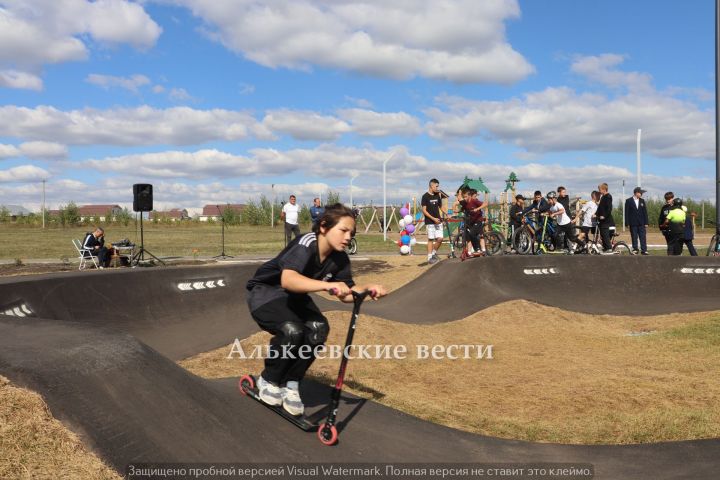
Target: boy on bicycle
[563, 221]
[474, 222]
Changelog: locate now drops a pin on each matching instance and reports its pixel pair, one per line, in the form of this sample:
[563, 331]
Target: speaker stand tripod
[139, 256]
[222, 254]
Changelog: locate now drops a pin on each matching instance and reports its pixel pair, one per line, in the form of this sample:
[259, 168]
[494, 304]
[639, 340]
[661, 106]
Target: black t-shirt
[302, 256]
[516, 215]
[432, 203]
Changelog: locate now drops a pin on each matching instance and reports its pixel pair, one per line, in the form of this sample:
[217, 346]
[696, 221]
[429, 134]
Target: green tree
[332, 197]
[4, 214]
[231, 216]
[124, 217]
[69, 215]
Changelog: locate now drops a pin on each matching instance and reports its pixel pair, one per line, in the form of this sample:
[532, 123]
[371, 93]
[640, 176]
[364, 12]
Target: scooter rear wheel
[327, 434]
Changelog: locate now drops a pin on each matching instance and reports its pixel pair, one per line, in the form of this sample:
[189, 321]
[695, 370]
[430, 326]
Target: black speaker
[142, 197]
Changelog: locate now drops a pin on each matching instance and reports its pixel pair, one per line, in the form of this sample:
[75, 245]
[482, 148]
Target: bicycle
[494, 241]
[352, 247]
[525, 238]
[618, 247]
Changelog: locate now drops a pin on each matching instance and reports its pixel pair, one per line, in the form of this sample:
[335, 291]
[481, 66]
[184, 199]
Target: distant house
[15, 211]
[88, 212]
[213, 212]
[174, 215]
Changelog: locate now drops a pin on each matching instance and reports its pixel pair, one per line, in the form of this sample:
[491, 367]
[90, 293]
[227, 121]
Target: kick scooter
[326, 431]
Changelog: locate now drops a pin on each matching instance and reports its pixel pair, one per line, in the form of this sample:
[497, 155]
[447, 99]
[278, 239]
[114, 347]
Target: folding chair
[85, 254]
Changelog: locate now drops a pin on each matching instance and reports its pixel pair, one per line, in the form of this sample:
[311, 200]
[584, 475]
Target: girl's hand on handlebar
[338, 289]
[376, 291]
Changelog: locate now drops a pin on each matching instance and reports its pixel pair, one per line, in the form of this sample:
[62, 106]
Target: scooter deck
[300, 421]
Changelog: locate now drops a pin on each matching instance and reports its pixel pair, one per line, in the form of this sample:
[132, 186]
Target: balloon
[405, 239]
[404, 250]
[413, 241]
[404, 232]
[408, 219]
[404, 211]
[410, 228]
[399, 242]
[402, 223]
[418, 216]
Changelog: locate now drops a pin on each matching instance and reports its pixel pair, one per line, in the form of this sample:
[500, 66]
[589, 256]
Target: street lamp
[351, 188]
[272, 207]
[385, 197]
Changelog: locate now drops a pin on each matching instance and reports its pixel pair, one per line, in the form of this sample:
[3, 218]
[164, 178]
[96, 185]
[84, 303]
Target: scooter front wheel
[327, 434]
[246, 383]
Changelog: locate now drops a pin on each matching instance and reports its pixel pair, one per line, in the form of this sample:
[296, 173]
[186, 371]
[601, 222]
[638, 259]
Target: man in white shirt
[289, 214]
[563, 220]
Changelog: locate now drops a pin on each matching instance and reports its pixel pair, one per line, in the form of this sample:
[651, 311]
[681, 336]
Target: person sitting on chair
[94, 244]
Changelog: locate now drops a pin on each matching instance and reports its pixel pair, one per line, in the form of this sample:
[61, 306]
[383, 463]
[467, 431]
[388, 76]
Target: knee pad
[292, 333]
[316, 332]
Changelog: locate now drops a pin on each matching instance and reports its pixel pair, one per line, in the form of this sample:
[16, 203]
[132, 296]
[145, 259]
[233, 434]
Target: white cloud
[246, 89]
[179, 95]
[8, 151]
[359, 102]
[561, 119]
[456, 40]
[600, 69]
[128, 126]
[20, 80]
[305, 125]
[36, 32]
[158, 89]
[23, 173]
[131, 83]
[374, 124]
[44, 150]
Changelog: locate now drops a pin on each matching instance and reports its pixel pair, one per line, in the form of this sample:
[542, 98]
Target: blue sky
[214, 102]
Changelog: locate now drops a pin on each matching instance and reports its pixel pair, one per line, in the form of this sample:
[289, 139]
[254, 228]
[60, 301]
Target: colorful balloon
[405, 239]
[408, 219]
[402, 223]
[404, 211]
[404, 250]
[410, 228]
[413, 241]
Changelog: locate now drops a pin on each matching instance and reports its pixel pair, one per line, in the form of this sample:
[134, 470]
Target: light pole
[622, 200]
[43, 205]
[351, 188]
[385, 197]
[272, 207]
[639, 158]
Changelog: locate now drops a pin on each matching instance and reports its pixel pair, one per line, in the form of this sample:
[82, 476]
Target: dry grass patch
[35, 445]
[555, 376]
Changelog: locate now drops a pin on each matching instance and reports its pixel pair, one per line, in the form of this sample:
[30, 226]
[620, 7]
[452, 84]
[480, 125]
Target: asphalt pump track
[101, 348]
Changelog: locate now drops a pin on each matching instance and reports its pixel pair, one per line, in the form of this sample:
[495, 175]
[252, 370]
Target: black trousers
[273, 317]
[690, 247]
[473, 234]
[675, 244]
[605, 235]
[289, 230]
[637, 232]
[103, 256]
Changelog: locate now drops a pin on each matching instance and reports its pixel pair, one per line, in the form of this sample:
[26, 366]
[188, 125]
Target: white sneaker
[269, 393]
[291, 401]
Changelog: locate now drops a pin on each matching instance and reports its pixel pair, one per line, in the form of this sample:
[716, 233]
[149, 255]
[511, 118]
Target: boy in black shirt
[432, 206]
[279, 302]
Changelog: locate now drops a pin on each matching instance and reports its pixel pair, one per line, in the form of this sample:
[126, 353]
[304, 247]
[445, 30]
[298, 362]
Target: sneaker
[433, 260]
[477, 253]
[607, 252]
[269, 392]
[635, 251]
[291, 401]
[644, 253]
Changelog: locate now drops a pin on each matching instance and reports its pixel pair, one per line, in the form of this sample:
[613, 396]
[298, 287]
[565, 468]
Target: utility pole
[622, 200]
[43, 204]
[639, 158]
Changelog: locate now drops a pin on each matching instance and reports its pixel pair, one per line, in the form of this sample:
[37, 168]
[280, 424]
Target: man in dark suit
[604, 216]
[636, 217]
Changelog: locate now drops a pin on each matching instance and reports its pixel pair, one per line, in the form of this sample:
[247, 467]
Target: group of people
[674, 222]
[595, 216]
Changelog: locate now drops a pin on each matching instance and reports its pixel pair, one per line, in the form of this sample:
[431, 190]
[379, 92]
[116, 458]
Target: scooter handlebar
[356, 295]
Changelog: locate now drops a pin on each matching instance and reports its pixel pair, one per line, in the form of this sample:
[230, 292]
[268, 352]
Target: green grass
[705, 334]
[181, 240]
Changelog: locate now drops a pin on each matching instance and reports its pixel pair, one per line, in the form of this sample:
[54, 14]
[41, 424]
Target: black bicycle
[494, 241]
